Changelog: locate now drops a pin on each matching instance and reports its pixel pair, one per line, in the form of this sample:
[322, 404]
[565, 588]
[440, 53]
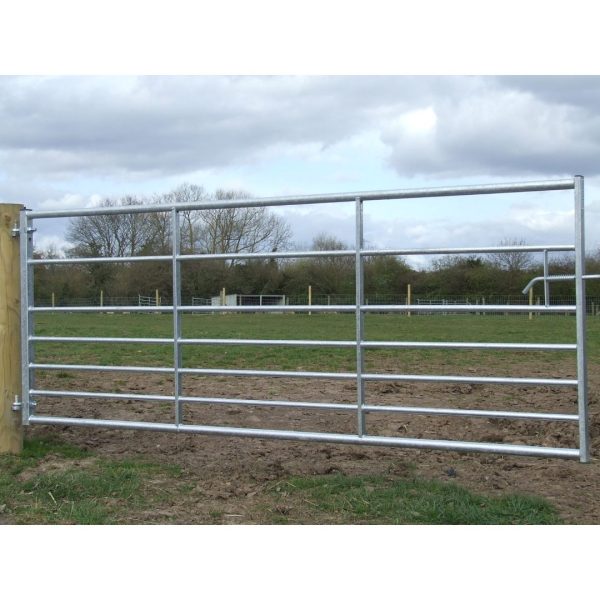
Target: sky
[69, 141]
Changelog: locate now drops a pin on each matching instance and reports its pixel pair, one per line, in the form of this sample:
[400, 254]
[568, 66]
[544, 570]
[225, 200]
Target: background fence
[592, 302]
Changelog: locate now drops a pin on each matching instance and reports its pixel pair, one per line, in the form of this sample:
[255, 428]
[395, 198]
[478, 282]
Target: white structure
[249, 300]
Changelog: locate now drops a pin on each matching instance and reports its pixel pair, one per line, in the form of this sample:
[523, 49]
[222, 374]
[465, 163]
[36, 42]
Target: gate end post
[11, 431]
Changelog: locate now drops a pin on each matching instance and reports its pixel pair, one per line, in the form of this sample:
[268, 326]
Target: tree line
[259, 230]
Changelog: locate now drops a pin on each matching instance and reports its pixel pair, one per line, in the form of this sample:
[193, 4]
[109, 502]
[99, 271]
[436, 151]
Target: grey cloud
[166, 125]
[573, 90]
[496, 127]
[158, 126]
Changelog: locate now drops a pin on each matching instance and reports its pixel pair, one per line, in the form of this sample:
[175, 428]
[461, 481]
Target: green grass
[467, 328]
[411, 501]
[52, 482]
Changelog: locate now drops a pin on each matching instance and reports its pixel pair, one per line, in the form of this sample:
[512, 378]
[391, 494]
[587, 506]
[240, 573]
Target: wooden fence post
[11, 432]
[408, 297]
[531, 301]
[310, 298]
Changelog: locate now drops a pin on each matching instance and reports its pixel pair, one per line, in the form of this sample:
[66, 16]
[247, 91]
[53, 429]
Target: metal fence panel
[359, 306]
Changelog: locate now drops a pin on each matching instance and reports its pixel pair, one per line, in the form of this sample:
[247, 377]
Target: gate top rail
[471, 190]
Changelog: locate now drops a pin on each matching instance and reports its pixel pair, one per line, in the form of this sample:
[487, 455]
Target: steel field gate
[31, 394]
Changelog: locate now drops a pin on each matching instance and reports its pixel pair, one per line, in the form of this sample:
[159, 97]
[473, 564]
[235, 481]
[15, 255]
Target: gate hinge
[17, 405]
[16, 231]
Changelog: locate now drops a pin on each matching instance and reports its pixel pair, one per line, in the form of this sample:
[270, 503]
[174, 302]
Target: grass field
[442, 328]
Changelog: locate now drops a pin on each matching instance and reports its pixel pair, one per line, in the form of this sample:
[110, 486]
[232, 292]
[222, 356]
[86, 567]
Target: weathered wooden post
[408, 297]
[11, 433]
[310, 298]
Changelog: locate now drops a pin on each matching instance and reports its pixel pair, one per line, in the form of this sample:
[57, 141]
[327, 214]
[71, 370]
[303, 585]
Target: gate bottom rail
[310, 436]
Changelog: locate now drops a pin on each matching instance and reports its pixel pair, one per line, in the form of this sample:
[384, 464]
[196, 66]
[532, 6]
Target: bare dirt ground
[232, 475]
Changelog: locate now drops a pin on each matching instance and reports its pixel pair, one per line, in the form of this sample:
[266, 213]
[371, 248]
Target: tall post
[360, 319]
[584, 435]
[101, 298]
[11, 433]
[531, 301]
[546, 282]
[53, 300]
[408, 297]
[310, 298]
[156, 298]
[176, 267]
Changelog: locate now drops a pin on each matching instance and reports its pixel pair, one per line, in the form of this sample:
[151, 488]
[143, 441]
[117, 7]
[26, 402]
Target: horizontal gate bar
[259, 373]
[101, 395]
[423, 308]
[306, 436]
[193, 400]
[245, 342]
[436, 192]
[315, 343]
[467, 412]
[477, 380]
[270, 403]
[297, 254]
[101, 309]
[469, 250]
[54, 366]
[466, 308]
[267, 255]
[471, 346]
[102, 340]
[192, 257]
[98, 259]
[312, 374]
[450, 412]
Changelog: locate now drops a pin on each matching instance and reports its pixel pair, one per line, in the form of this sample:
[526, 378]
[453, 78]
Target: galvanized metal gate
[360, 407]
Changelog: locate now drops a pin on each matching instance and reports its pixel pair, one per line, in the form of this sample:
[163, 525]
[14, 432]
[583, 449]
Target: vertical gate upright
[361, 408]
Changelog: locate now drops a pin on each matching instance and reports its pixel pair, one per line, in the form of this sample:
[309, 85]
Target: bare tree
[188, 193]
[511, 261]
[236, 230]
[116, 234]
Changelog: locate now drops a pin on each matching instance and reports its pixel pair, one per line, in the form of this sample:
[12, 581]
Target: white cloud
[70, 201]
